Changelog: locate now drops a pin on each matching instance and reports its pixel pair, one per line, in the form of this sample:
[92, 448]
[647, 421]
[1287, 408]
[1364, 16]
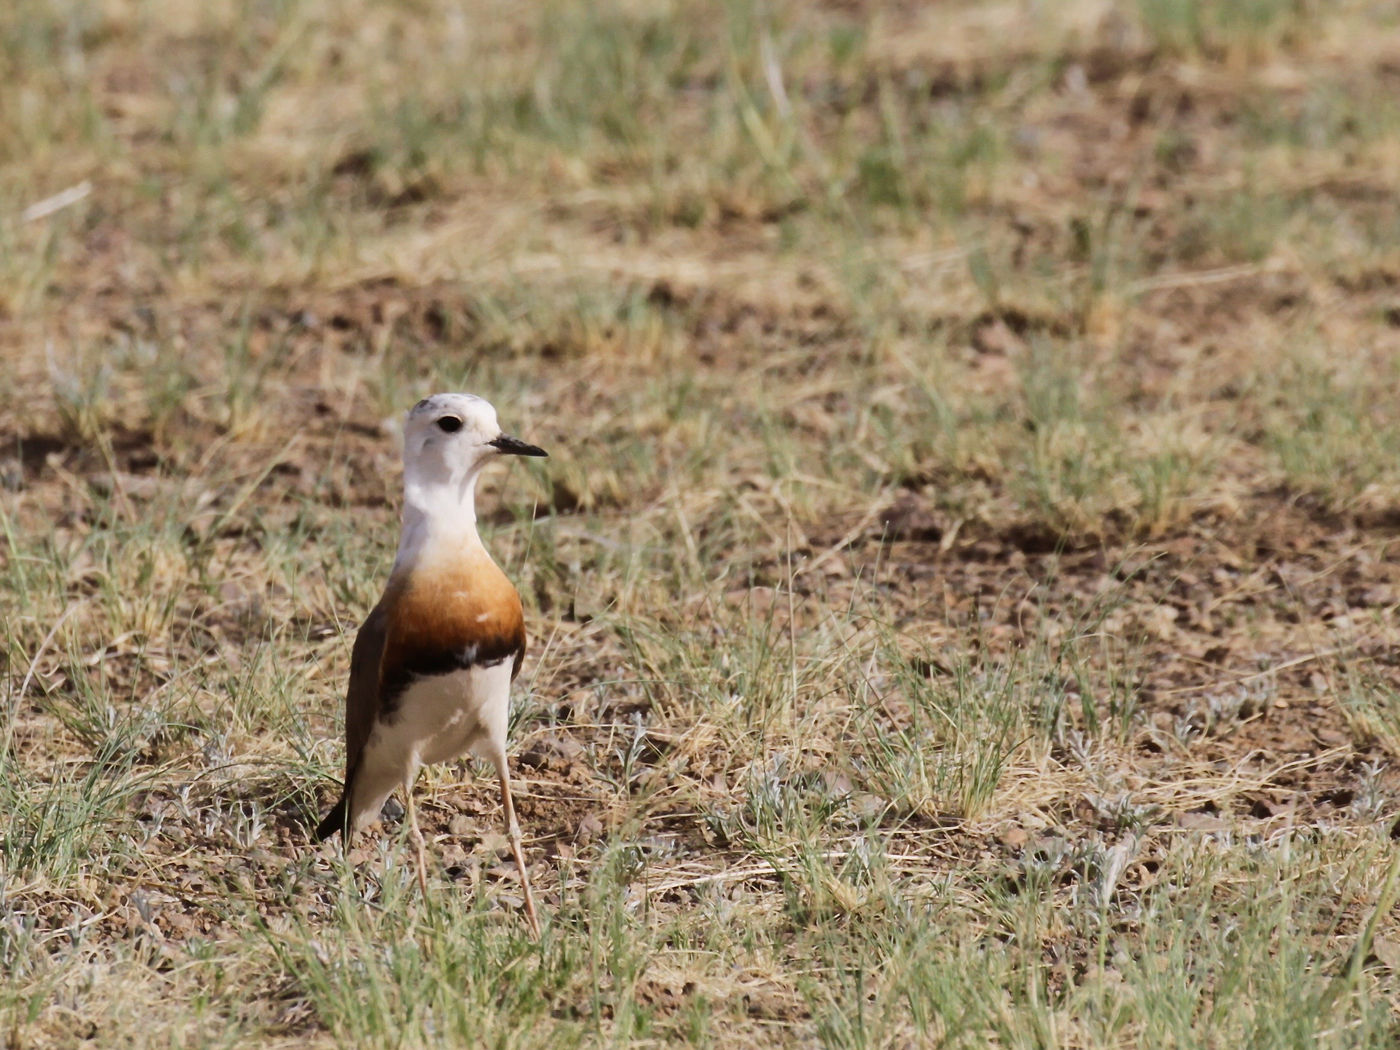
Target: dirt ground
[972, 440]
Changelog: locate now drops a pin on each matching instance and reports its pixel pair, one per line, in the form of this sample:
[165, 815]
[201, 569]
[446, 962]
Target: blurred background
[963, 573]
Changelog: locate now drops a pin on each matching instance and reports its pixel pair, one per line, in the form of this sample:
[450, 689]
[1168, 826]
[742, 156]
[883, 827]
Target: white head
[447, 439]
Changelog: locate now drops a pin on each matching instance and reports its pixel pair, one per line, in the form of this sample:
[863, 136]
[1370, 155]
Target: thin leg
[513, 833]
[417, 837]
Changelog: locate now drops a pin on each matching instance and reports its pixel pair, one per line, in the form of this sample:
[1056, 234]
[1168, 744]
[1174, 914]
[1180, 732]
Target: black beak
[515, 447]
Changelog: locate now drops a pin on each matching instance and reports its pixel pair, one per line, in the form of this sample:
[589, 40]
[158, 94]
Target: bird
[432, 666]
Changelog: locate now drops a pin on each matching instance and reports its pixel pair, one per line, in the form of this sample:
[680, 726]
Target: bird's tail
[336, 820]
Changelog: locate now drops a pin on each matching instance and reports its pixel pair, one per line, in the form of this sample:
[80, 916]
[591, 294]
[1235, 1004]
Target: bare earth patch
[961, 594]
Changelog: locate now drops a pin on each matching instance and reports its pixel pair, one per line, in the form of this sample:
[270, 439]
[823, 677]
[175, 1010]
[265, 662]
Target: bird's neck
[439, 519]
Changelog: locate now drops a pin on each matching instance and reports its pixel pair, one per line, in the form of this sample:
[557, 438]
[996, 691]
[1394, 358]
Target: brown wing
[362, 695]
[361, 711]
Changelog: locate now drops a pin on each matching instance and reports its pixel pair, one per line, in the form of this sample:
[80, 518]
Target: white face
[447, 437]
[450, 426]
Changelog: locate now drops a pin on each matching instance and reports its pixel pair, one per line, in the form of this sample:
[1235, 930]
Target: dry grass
[962, 595]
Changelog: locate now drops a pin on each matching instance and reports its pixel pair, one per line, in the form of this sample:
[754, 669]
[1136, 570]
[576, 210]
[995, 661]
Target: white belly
[437, 719]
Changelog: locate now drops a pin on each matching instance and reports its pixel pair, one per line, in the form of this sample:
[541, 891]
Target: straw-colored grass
[961, 593]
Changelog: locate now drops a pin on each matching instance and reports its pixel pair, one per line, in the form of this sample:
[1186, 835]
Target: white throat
[439, 513]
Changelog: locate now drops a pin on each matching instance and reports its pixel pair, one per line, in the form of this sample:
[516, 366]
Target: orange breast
[460, 615]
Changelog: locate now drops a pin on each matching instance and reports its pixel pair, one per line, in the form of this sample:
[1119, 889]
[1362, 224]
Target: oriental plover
[432, 666]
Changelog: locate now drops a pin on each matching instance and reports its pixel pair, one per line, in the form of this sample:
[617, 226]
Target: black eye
[449, 424]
